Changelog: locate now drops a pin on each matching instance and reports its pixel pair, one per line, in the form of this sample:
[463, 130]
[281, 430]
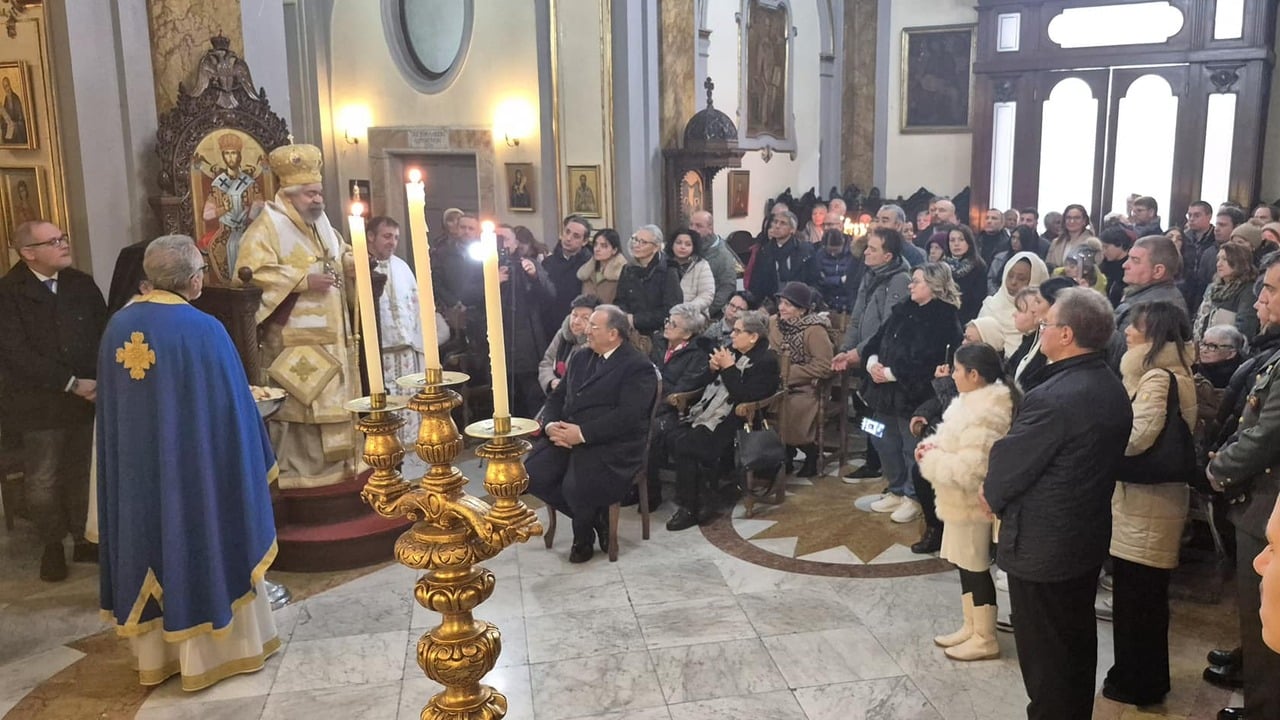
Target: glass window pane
[1145, 130]
[1219, 138]
[1228, 20]
[1067, 146]
[1105, 25]
[1003, 120]
[1008, 28]
[434, 30]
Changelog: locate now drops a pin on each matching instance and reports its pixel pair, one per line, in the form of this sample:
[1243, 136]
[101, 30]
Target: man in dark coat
[595, 422]
[1050, 481]
[782, 257]
[561, 267]
[993, 239]
[51, 320]
[526, 291]
[1246, 469]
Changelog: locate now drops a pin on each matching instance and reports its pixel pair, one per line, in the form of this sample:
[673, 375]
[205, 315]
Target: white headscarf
[1001, 305]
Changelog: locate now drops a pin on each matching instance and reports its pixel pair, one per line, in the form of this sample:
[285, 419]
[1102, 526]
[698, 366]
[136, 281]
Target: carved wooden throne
[220, 113]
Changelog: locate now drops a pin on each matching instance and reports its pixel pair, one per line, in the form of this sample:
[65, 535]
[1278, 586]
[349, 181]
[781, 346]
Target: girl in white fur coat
[954, 460]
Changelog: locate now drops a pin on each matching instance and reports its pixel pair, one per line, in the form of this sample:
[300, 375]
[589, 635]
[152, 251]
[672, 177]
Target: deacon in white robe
[399, 315]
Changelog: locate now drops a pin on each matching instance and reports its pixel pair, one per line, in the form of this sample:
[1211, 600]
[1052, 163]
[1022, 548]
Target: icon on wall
[739, 193]
[520, 187]
[17, 130]
[584, 188]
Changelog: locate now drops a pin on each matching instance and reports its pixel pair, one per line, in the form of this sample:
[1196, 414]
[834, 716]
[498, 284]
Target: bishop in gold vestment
[298, 260]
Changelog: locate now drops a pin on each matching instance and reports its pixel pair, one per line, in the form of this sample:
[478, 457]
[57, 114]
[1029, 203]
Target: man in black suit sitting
[595, 423]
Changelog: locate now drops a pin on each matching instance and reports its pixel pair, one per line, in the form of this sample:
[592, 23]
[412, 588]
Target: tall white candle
[364, 296]
[420, 242]
[493, 314]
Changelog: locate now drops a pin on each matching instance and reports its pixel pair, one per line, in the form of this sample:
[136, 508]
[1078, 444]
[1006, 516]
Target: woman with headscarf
[803, 340]
[1024, 269]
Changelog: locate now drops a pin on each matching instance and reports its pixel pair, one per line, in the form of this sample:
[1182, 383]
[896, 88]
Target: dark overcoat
[611, 401]
[1050, 480]
[45, 339]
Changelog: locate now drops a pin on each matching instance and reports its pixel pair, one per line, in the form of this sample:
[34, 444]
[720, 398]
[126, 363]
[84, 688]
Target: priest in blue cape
[184, 463]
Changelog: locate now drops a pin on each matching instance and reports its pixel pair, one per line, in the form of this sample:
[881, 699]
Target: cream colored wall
[723, 62]
[940, 162]
[583, 99]
[501, 64]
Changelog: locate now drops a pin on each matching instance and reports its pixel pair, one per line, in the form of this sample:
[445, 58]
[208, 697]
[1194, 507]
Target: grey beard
[313, 216]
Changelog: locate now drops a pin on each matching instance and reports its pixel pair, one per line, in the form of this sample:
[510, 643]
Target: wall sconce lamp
[354, 121]
[513, 121]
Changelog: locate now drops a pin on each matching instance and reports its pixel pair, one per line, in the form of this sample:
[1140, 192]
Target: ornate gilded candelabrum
[452, 531]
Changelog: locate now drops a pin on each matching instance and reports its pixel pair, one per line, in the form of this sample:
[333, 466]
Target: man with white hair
[895, 218]
[184, 468]
[302, 266]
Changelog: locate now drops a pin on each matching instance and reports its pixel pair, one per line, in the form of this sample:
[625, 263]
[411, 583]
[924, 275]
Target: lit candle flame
[486, 226]
[415, 175]
[357, 208]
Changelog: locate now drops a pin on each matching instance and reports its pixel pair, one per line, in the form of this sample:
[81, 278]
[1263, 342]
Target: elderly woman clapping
[745, 372]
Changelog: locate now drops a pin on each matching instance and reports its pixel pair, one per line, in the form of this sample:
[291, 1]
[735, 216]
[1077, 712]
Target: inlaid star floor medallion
[818, 531]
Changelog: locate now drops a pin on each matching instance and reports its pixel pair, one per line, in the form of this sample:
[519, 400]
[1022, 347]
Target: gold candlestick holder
[452, 531]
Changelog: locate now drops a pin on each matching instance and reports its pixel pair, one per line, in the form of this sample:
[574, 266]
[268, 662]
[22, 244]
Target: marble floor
[677, 629]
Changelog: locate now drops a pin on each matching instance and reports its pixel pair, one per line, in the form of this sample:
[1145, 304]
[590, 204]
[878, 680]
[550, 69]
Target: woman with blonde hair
[901, 359]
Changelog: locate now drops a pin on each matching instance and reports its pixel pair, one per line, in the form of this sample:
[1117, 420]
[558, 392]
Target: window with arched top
[429, 39]
[1146, 129]
[1068, 142]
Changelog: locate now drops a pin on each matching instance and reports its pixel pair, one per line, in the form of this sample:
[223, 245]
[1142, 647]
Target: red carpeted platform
[330, 528]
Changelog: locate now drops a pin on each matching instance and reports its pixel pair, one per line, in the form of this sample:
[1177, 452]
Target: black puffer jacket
[1050, 480]
[648, 293]
[912, 343]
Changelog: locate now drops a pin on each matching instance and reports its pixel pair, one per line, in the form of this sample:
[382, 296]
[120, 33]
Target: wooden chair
[642, 485]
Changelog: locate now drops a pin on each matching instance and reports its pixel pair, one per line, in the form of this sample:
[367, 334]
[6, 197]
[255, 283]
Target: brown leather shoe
[53, 563]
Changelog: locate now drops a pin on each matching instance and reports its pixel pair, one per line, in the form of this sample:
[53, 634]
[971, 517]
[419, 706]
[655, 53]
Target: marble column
[676, 54]
[858, 151]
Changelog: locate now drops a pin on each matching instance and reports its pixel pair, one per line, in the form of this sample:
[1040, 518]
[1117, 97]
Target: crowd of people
[1029, 391]
[1049, 402]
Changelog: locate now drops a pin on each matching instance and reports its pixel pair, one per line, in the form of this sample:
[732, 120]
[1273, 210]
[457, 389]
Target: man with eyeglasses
[51, 320]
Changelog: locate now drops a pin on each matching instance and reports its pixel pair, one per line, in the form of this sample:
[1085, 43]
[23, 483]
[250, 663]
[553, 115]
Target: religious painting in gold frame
[692, 194]
[584, 191]
[25, 198]
[18, 129]
[230, 181]
[739, 193]
[937, 78]
[520, 187]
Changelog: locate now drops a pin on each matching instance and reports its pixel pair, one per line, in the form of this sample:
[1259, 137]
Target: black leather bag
[759, 450]
[1172, 458]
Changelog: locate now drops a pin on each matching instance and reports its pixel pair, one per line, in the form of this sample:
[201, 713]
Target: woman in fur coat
[954, 459]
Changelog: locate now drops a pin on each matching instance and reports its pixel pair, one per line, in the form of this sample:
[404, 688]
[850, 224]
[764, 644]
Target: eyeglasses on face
[637, 240]
[1215, 347]
[60, 241]
[1046, 324]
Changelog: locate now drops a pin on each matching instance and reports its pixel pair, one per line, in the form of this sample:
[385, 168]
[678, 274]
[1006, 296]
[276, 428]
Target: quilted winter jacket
[957, 463]
[1147, 520]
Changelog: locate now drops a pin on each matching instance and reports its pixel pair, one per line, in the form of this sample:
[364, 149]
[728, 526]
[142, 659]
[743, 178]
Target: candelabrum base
[453, 532]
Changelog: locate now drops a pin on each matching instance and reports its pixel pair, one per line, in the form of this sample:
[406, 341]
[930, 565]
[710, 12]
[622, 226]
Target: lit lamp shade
[513, 120]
